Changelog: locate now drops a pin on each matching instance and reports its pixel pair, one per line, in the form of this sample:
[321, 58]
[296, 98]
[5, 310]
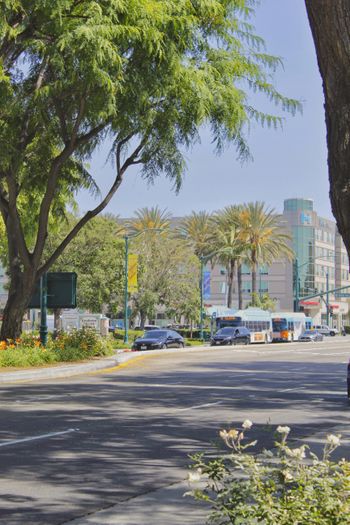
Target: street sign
[342, 294]
[61, 291]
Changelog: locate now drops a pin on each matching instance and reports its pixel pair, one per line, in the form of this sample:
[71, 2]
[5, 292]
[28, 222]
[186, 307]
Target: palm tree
[230, 246]
[266, 241]
[149, 219]
[197, 231]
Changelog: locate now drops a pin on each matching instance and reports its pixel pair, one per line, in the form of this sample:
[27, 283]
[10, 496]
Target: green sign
[61, 291]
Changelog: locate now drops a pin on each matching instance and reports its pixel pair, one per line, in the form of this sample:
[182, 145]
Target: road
[70, 447]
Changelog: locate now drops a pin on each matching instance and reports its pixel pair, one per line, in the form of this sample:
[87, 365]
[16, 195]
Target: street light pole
[327, 297]
[201, 297]
[126, 280]
[126, 320]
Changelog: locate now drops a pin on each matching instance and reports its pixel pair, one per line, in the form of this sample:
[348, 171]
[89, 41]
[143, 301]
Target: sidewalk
[64, 370]
[74, 369]
[165, 506]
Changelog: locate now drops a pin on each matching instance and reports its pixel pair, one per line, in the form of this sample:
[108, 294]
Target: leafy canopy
[147, 73]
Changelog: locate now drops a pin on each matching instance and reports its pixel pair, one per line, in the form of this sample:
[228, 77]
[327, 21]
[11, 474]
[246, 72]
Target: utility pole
[126, 270]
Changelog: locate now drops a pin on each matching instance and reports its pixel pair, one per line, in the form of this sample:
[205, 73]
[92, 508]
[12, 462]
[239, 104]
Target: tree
[228, 244]
[265, 239]
[144, 73]
[168, 276]
[197, 231]
[96, 255]
[148, 219]
[264, 302]
[330, 30]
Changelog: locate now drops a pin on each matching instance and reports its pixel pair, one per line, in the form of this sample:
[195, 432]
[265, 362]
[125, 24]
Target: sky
[287, 163]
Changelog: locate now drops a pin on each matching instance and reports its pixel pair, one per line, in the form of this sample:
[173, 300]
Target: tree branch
[52, 186]
[92, 213]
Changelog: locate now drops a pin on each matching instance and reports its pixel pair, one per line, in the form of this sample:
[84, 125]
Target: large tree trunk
[239, 286]
[231, 275]
[330, 25]
[254, 266]
[20, 292]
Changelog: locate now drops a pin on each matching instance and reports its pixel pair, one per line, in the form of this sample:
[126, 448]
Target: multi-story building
[321, 264]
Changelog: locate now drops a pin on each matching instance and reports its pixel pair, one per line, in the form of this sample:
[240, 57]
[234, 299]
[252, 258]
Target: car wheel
[332, 334]
[246, 342]
[163, 346]
[181, 345]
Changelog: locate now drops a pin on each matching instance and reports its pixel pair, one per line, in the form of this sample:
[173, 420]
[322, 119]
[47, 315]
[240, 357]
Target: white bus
[256, 320]
[289, 326]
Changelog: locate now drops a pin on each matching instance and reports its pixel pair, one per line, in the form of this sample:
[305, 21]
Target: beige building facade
[321, 263]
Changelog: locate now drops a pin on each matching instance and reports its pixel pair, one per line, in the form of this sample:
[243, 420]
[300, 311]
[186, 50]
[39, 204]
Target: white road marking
[198, 406]
[291, 389]
[34, 438]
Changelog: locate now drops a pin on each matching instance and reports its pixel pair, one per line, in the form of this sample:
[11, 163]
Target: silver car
[311, 335]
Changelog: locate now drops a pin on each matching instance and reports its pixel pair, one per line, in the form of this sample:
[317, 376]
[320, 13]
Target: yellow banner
[132, 273]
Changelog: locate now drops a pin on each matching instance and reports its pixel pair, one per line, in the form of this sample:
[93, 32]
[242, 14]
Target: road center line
[35, 438]
[198, 406]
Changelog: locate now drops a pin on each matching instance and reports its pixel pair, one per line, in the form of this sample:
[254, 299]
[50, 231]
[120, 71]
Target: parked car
[231, 335]
[349, 380]
[147, 327]
[326, 330]
[155, 339]
[311, 335]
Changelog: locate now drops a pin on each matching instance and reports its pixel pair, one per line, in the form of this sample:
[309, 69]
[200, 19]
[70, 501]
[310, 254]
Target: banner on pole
[206, 285]
[132, 273]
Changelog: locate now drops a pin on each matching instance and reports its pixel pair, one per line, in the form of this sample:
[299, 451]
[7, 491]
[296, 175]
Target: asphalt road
[70, 447]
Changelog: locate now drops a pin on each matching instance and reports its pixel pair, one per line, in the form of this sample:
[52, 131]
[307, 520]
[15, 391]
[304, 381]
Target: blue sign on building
[206, 285]
[305, 218]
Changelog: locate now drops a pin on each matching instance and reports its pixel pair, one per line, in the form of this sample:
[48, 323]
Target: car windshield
[155, 334]
[226, 331]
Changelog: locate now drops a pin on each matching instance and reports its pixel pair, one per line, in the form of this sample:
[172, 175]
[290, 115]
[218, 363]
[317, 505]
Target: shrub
[81, 344]
[119, 334]
[282, 486]
[75, 346]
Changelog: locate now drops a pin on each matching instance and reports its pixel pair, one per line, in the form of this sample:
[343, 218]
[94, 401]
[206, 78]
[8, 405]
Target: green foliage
[263, 301]
[146, 74]
[168, 275]
[76, 346]
[85, 342]
[119, 334]
[96, 255]
[280, 486]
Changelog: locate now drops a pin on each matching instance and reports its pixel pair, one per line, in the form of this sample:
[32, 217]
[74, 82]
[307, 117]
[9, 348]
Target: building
[321, 263]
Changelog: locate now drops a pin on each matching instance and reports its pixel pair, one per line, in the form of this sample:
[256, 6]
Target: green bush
[75, 346]
[26, 356]
[282, 486]
[193, 342]
[84, 344]
[119, 334]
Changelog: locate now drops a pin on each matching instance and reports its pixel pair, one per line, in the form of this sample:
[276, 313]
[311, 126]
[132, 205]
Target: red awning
[309, 303]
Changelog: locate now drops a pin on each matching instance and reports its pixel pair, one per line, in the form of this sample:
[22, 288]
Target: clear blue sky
[287, 163]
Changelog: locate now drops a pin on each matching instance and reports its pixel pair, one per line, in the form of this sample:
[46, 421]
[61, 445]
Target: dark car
[155, 339]
[311, 335]
[349, 380]
[231, 335]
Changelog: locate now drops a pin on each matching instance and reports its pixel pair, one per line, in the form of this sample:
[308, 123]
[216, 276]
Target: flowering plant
[282, 486]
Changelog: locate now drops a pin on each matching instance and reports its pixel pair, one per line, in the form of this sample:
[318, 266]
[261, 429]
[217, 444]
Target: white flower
[247, 424]
[223, 434]
[194, 476]
[287, 475]
[233, 433]
[297, 453]
[283, 430]
[333, 440]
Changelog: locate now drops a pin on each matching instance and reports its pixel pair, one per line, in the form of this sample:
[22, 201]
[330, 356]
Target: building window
[246, 287]
[245, 269]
